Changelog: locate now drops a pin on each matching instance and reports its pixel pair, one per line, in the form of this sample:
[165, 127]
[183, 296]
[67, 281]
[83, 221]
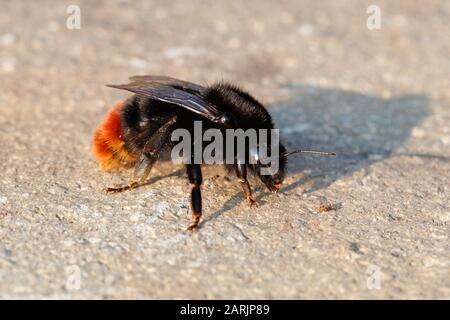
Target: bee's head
[271, 170]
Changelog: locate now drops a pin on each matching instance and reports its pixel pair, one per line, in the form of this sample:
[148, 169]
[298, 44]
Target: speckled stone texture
[379, 98]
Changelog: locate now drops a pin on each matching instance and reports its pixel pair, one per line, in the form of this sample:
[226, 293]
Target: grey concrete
[379, 98]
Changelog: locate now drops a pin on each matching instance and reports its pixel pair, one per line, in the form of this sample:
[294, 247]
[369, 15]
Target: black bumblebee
[138, 131]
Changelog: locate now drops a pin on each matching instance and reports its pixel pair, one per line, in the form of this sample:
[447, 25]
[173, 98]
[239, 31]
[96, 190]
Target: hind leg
[136, 181]
[150, 154]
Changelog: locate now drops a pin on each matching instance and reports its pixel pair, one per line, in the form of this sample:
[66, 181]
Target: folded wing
[184, 94]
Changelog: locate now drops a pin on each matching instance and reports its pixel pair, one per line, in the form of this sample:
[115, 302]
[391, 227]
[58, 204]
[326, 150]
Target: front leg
[241, 172]
[194, 173]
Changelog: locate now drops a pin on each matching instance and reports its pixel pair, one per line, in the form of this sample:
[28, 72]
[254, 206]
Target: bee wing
[159, 89]
[172, 82]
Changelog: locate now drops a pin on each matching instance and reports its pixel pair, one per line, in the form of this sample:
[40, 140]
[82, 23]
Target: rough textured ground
[381, 99]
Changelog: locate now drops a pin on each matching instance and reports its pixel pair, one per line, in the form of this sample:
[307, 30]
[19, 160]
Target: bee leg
[241, 172]
[136, 182]
[194, 173]
[148, 157]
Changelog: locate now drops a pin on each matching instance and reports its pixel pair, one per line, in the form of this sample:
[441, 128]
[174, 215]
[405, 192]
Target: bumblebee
[137, 131]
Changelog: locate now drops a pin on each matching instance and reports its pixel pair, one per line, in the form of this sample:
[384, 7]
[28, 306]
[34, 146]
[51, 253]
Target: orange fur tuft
[108, 145]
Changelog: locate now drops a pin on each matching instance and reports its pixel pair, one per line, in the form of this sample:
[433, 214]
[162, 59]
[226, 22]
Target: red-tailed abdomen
[108, 145]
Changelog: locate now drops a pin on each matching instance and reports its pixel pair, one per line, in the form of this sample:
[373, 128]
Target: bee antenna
[288, 153]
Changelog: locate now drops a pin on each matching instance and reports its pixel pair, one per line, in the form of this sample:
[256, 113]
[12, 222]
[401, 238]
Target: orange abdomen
[108, 144]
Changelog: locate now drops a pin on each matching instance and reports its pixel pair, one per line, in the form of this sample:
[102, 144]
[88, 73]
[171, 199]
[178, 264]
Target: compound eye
[277, 178]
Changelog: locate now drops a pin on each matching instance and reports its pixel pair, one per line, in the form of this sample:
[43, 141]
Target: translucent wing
[172, 82]
[181, 93]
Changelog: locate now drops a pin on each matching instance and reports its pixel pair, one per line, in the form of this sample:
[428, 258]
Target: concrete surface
[380, 98]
